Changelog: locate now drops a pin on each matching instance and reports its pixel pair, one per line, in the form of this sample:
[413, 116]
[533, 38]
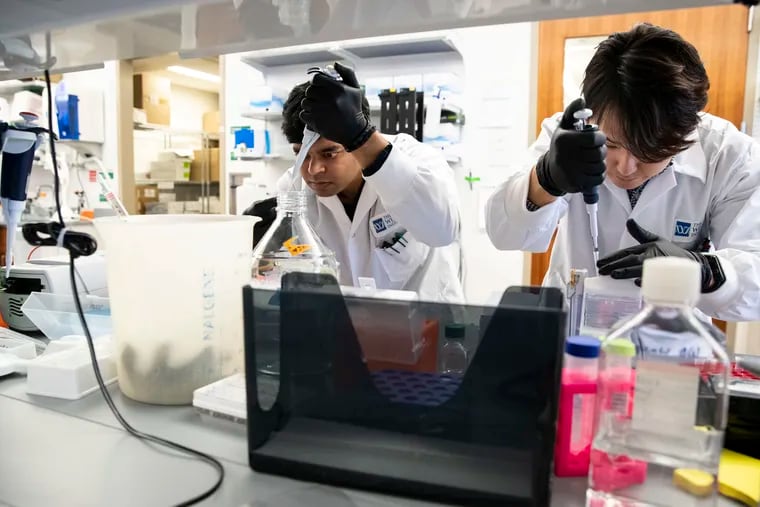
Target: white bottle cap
[671, 280]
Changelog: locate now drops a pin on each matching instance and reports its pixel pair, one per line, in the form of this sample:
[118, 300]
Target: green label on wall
[102, 198]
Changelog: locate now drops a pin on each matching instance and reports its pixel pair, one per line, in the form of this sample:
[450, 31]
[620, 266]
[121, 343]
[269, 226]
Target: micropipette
[18, 142]
[590, 197]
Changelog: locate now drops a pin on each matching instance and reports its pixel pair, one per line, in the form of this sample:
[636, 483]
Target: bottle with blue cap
[577, 398]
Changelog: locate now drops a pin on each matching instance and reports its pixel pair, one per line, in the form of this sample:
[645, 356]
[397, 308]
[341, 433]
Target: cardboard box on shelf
[212, 204]
[176, 208]
[172, 170]
[156, 208]
[212, 122]
[196, 169]
[153, 94]
[146, 193]
[193, 207]
[167, 197]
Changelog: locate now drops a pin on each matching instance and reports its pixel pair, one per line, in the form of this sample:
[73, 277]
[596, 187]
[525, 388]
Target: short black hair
[292, 126]
[653, 83]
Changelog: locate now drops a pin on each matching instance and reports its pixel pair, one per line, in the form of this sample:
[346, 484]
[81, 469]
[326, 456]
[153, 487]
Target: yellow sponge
[739, 477]
[696, 482]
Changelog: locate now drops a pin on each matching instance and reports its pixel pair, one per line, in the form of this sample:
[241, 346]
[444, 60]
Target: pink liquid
[575, 424]
[610, 473]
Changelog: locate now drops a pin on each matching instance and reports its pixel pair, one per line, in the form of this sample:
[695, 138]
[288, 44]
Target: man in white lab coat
[672, 180]
[386, 205]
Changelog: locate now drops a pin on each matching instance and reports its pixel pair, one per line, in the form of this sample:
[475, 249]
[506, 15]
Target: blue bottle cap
[582, 346]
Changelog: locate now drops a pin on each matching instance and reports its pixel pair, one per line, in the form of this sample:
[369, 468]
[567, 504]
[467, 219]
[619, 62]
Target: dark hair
[292, 126]
[653, 83]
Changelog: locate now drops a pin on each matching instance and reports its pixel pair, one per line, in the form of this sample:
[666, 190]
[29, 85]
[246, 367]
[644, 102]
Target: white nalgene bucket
[175, 287]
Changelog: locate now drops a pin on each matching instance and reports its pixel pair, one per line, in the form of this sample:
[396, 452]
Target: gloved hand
[628, 262]
[575, 160]
[267, 211]
[333, 109]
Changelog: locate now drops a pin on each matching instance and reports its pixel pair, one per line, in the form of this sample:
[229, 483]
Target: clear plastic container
[663, 448]
[575, 424]
[174, 284]
[56, 314]
[290, 244]
[454, 353]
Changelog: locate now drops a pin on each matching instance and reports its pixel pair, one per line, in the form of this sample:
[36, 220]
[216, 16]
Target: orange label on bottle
[295, 249]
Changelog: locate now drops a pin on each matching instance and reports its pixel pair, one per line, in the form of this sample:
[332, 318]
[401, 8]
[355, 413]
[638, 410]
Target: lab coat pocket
[400, 261]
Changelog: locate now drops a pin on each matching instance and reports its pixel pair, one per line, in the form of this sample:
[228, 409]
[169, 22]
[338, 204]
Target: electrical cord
[81, 244]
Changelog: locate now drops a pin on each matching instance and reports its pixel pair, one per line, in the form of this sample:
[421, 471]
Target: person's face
[328, 169]
[623, 169]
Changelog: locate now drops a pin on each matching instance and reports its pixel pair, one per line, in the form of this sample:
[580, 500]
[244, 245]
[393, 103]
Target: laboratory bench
[60, 452]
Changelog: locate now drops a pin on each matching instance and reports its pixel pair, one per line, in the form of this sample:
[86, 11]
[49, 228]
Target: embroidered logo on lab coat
[684, 229]
[382, 223]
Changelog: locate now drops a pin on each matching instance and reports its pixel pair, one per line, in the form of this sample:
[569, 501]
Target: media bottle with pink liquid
[577, 399]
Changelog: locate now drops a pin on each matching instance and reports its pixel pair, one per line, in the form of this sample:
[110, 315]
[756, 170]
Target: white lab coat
[414, 191]
[712, 190]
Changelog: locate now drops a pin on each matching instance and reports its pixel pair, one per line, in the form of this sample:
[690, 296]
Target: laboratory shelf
[165, 129]
[281, 58]
[383, 49]
[259, 114]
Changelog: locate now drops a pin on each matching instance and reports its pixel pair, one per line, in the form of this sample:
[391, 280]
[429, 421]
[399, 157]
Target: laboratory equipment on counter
[489, 437]
[291, 244]
[590, 197]
[576, 286]
[607, 302]
[49, 275]
[454, 353]
[174, 289]
[56, 314]
[680, 398]
[67, 373]
[19, 140]
[577, 397]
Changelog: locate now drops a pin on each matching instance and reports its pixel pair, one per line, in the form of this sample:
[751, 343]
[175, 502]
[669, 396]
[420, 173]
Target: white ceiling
[79, 33]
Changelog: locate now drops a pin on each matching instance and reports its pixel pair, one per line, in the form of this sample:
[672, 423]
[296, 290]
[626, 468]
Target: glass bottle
[291, 244]
[454, 353]
[663, 448]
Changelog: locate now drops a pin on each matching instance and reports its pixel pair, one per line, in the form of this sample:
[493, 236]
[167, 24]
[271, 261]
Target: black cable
[82, 244]
[57, 183]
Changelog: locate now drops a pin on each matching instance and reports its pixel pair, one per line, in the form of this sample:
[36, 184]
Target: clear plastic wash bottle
[575, 425]
[662, 448]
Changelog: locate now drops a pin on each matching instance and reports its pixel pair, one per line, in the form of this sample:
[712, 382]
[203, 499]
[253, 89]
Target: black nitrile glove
[333, 109]
[628, 262]
[575, 160]
[267, 211]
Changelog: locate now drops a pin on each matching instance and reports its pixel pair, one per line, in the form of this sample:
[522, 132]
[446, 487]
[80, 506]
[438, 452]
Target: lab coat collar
[367, 199]
[692, 161]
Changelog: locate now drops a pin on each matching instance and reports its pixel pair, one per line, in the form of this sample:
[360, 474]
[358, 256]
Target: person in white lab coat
[386, 205]
[672, 180]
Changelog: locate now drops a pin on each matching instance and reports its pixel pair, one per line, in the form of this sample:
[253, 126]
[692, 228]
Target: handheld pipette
[590, 197]
[19, 141]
